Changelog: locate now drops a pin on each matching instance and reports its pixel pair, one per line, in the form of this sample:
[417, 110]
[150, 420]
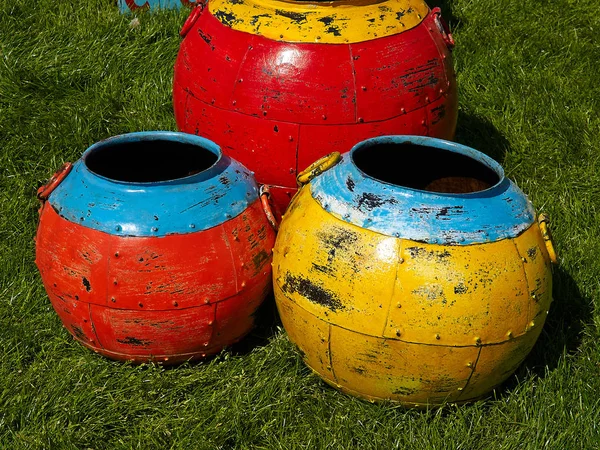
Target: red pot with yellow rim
[278, 84]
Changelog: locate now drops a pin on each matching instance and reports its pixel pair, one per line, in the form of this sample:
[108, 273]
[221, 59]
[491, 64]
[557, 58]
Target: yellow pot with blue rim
[422, 282]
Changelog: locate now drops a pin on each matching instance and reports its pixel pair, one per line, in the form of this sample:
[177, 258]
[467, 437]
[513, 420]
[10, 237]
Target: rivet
[426, 98]
[154, 229]
[397, 332]
[364, 88]
[400, 260]
[114, 300]
[328, 367]
[115, 282]
[203, 355]
[236, 238]
[509, 334]
[441, 91]
[469, 364]
[243, 284]
[175, 304]
[534, 296]
[212, 101]
[281, 36]
[243, 265]
[523, 259]
[438, 337]
[532, 324]
[211, 322]
[460, 389]
[240, 80]
[423, 122]
[398, 305]
[206, 300]
[118, 228]
[141, 305]
[84, 320]
[166, 358]
[205, 344]
[402, 110]
[116, 254]
[292, 170]
[264, 113]
[290, 138]
[324, 117]
[478, 340]
[361, 120]
[192, 225]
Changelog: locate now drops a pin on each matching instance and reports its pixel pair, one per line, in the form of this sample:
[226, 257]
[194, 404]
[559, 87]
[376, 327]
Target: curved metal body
[383, 308]
[165, 271]
[279, 84]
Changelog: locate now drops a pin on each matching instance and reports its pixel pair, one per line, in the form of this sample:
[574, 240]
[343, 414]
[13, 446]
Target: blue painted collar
[499, 212]
[183, 205]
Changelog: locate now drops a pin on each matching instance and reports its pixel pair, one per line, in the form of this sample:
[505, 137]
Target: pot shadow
[569, 315]
[480, 134]
[266, 325]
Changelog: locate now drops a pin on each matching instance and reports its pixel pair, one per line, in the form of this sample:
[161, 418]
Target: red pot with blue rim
[155, 246]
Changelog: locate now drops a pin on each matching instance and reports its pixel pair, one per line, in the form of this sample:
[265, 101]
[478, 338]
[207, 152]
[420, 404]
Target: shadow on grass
[562, 333]
[478, 133]
[447, 11]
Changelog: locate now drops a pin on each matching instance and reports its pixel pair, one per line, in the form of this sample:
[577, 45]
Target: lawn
[73, 73]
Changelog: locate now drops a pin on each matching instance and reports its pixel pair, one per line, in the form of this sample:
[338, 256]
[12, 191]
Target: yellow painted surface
[440, 323]
[335, 22]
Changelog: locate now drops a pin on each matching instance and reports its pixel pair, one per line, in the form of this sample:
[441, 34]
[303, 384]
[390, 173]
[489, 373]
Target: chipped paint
[166, 297]
[334, 22]
[478, 306]
[309, 98]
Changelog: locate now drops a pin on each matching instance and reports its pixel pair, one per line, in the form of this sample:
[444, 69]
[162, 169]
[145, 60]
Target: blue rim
[499, 212]
[178, 206]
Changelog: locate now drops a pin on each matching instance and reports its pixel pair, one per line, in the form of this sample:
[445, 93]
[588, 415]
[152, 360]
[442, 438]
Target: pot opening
[425, 168]
[149, 161]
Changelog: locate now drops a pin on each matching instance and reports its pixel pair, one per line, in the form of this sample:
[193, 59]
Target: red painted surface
[278, 106]
[166, 299]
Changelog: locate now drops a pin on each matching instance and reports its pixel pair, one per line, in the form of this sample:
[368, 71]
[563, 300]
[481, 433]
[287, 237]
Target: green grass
[72, 73]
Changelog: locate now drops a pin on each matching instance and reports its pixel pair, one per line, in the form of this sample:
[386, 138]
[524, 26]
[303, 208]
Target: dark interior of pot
[424, 168]
[149, 161]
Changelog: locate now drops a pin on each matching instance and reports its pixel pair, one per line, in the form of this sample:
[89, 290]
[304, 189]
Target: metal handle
[318, 167]
[191, 20]
[44, 191]
[544, 223]
[265, 196]
[443, 27]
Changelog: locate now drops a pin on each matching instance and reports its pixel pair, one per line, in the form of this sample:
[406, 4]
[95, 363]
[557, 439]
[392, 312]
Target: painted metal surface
[340, 22]
[500, 212]
[414, 321]
[187, 205]
[278, 103]
[136, 5]
[165, 296]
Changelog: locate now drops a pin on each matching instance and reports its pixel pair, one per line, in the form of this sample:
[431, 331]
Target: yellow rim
[336, 22]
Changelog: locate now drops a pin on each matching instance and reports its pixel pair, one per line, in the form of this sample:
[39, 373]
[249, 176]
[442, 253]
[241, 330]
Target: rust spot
[404, 391]
[86, 283]
[294, 16]
[311, 291]
[129, 340]
[370, 201]
[78, 332]
[460, 288]
[350, 184]
[226, 18]
[206, 38]
[260, 259]
[337, 238]
[532, 253]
